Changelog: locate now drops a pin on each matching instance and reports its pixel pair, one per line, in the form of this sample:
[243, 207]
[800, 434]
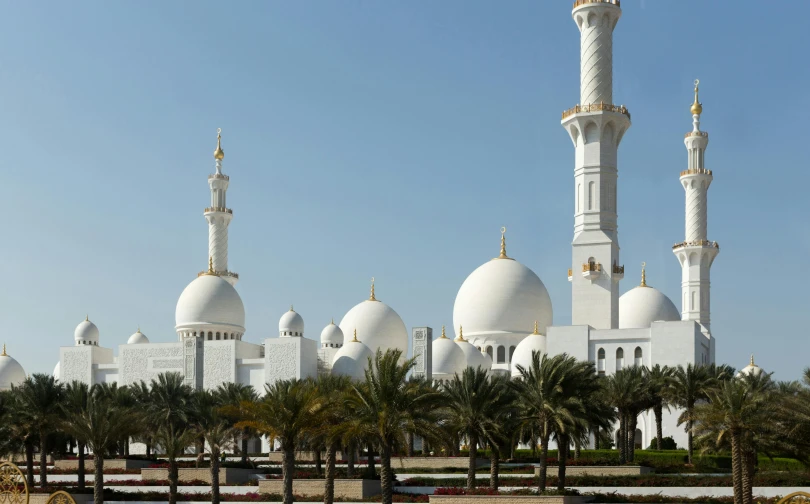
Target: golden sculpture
[60, 497]
[13, 488]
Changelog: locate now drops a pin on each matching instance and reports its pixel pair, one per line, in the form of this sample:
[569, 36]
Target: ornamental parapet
[591, 266]
[617, 3]
[218, 209]
[696, 133]
[218, 273]
[696, 171]
[219, 176]
[596, 107]
[618, 270]
[696, 243]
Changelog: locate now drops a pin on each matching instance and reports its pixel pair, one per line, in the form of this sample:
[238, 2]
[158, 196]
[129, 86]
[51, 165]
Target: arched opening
[619, 359]
[600, 361]
[511, 353]
[637, 357]
[501, 355]
[489, 351]
[638, 441]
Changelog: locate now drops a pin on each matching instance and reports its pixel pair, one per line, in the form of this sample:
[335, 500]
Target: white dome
[86, 333]
[11, 372]
[137, 338]
[57, 370]
[501, 296]
[448, 358]
[291, 324]
[473, 356]
[210, 300]
[351, 360]
[751, 369]
[643, 305]
[523, 352]
[332, 335]
[378, 324]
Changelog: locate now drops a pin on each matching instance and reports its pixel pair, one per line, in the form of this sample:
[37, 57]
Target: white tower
[219, 217]
[596, 127]
[696, 253]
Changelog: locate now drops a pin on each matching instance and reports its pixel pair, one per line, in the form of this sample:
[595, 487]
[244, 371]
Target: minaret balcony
[618, 272]
[617, 3]
[229, 274]
[696, 134]
[596, 107]
[696, 243]
[220, 176]
[591, 271]
[696, 171]
[570, 274]
[218, 209]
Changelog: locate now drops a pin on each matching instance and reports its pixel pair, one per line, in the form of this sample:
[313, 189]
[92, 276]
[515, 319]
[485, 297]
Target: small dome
[210, 300]
[751, 369]
[448, 358]
[534, 342]
[332, 335]
[501, 296]
[56, 370]
[291, 324]
[352, 360]
[11, 372]
[474, 357]
[86, 333]
[641, 306]
[380, 326]
[137, 338]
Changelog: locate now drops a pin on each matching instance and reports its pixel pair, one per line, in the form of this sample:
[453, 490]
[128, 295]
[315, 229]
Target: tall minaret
[696, 253]
[596, 127]
[219, 217]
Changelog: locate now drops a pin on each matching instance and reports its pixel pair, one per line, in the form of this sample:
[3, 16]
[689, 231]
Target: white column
[219, 218]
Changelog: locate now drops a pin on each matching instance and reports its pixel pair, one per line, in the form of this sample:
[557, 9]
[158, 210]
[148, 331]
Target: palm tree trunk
[350, 460]
[658, 410]
[689, 445]
[409, 451]
[577, 449]
[98, 478]
[596, 434]
[244, 447]
[43, 458]
[472, 462]
[494, 466]
[318, 462]
[214, 475]
[631, 441]
[81, 478]
[148, 448]
[562, 456]
[371, 470]
[541, 483]
[386, 478]
[287, 471]
[329, 483]
[29, 463]
[736, 468]
[748, 469]
[173, 477]
[622, 441]
[200, 452]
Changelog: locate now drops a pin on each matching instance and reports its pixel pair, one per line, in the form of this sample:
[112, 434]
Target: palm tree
[236, 394]
[16, 433]
[476, 405]
[40, 397]
[142, 398]
[658, 379]
[622, 389]
[386, 406]
[76, 396]
[288, 411]
[169, 409]
[215, 430]
[332, 390]
[689, 385]
[100, 425]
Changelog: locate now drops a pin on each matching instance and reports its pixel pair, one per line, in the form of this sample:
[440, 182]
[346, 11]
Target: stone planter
[227, 475]
[509, 499]
[89, 465]
[36, 498]
[276, 456]
[434, 462]
[344, 488]
[598, 470]
[19, 459]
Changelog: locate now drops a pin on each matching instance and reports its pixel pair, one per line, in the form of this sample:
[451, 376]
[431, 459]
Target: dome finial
[372, 298]
[332, 322]
[503, 244]
[535, 328]
[210, 265]
[444, 336]
[4, 354]
[355, 340]
[643, 275]
[87, 318]
[752, 355]
[460, 336]
[291, 308]
[219, 154]
[696, 108]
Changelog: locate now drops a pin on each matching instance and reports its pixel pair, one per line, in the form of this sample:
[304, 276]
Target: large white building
[502, 311]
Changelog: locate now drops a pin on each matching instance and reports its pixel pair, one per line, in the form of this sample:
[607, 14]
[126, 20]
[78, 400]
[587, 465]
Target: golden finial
[372, 298]
[355, 340]
[443, 336]
[643, 274]
[219, 154]
[291, 308]
[333, 321]
[210, 265]
[87, 318]
[4, 354]
[752, 355]
[460, 336]
[697, 108]
[503, 244]
[535, 328]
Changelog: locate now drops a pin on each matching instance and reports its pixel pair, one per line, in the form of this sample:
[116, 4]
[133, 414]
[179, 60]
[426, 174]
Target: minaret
[596, 127]
[696, 253]
[219, 217]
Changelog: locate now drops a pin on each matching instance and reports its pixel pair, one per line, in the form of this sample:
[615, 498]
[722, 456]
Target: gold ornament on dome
[13, 488]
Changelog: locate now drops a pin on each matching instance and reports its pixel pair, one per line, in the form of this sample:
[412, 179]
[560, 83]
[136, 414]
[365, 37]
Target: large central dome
[210, 301]
[502, 296]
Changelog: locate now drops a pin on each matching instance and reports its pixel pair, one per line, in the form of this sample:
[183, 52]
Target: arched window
[637, 359]
[489, 351]
[210, 335]
[600, 361]
[501, 355]
[511, 353]
[638, 441]
[217, 336]
[619, 359]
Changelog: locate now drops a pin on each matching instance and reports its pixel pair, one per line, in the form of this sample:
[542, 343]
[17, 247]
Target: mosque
[502, 312]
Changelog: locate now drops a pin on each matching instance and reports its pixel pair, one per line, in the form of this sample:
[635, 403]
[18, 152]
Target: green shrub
[667, 443]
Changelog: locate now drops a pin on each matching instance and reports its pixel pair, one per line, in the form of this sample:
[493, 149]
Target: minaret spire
[219, 217]
[596, 127]
[372, 297]
[643, 275]
[696, 253]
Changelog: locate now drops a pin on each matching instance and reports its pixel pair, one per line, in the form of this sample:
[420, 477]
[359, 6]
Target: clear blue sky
[387, 139]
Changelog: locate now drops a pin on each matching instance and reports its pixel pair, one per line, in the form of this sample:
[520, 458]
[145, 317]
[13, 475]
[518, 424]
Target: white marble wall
[286, 358]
